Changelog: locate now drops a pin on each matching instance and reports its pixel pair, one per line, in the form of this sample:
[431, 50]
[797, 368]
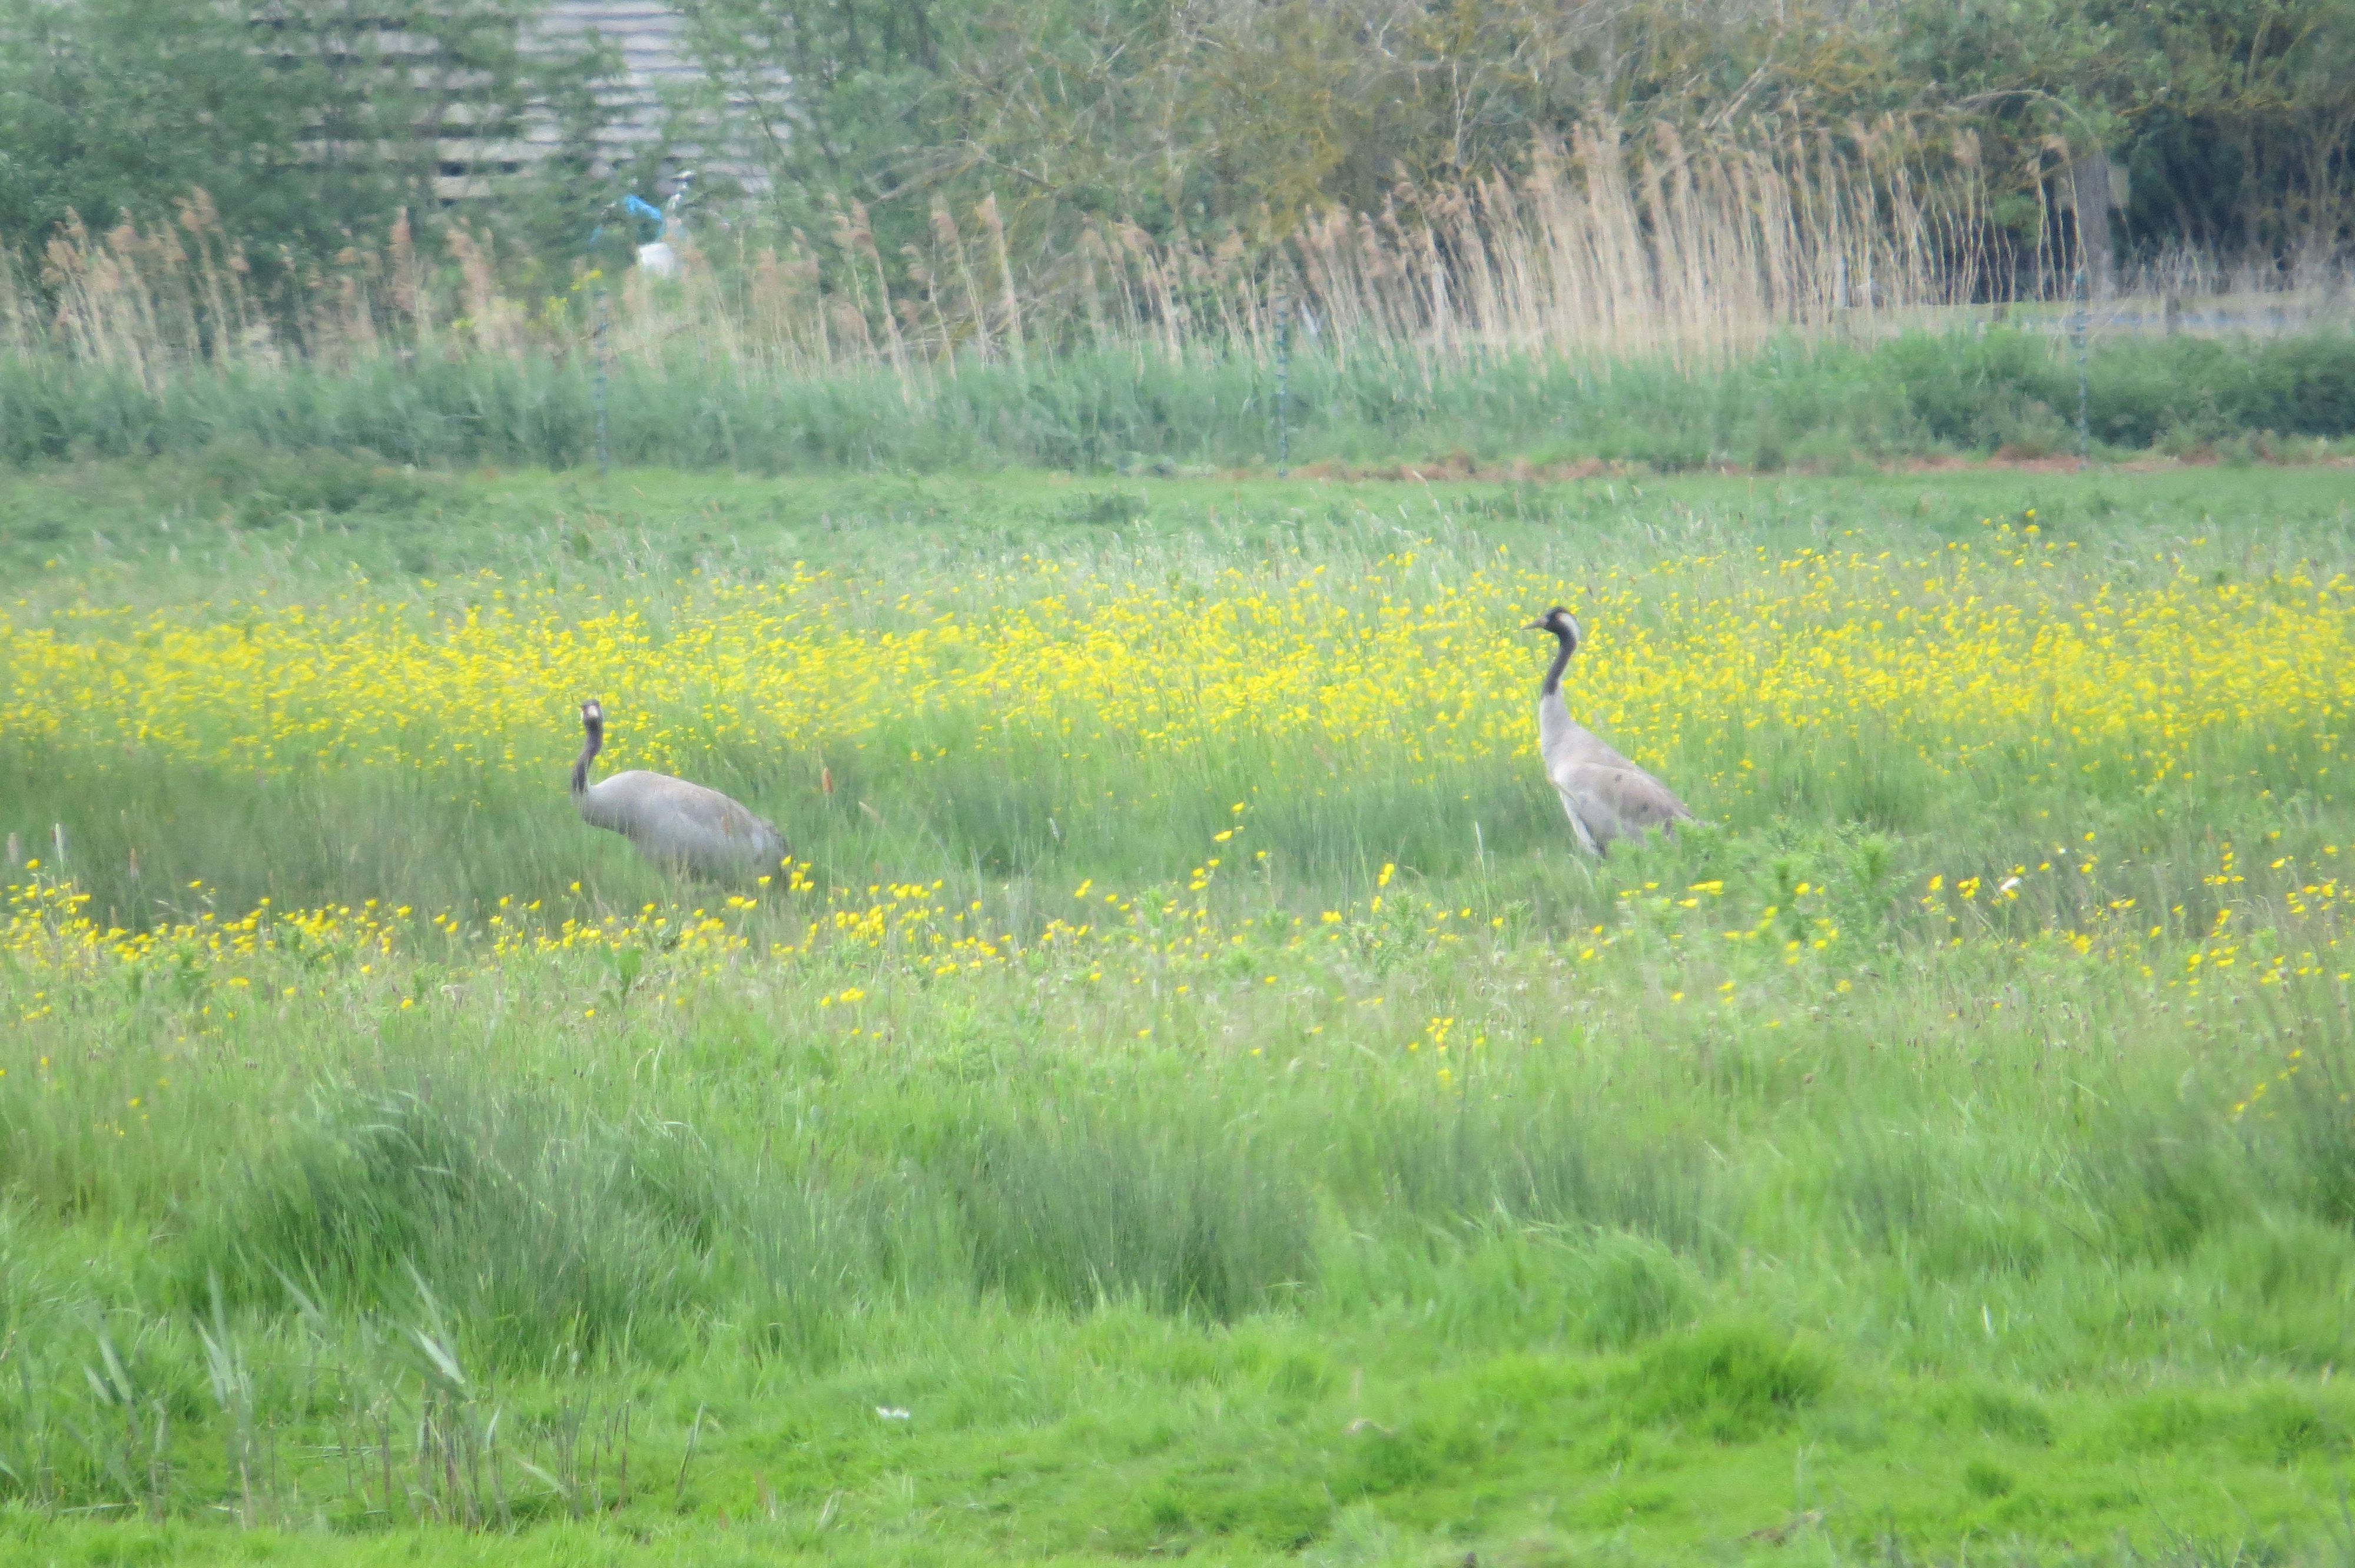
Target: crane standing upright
[1607, 796]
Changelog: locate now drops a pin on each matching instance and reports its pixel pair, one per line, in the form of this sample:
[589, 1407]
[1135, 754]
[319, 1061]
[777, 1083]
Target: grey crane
[677, 825]
[1607, 796]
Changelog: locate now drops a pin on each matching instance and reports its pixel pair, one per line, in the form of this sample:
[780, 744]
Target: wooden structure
[659, 74]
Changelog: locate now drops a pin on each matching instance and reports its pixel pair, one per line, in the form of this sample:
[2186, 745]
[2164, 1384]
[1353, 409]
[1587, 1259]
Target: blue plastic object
[635, 205]
[639, 206]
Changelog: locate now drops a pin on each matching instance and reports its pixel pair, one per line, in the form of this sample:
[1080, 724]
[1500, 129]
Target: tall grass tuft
[543, 1230]
[1534, 1158]
[1073, 1207]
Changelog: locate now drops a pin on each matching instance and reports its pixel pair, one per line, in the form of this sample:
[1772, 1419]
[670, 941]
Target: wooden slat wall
[654, 47]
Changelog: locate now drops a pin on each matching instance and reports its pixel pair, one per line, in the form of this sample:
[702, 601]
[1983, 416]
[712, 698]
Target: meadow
[1188, 1097]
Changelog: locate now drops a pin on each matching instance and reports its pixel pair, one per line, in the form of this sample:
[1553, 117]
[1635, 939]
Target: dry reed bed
[1617, 246]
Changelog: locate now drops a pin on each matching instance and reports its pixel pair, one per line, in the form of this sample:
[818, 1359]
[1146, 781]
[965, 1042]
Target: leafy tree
[2236, 117]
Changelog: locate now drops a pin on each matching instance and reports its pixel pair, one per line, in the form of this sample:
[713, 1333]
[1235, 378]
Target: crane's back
[677, 824]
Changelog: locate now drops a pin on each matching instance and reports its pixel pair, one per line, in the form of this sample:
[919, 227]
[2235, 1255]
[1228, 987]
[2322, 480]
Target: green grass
[1794, 405]
[1930, 1250]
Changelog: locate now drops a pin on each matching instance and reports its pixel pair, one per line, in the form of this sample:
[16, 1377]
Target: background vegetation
[1101, 236]
[957, 181]
[2232, 118]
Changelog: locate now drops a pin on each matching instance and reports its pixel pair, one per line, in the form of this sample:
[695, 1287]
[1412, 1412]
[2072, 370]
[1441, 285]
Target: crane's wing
[1607, 796]
[674, 821]
[1617, 802]
[719, 816]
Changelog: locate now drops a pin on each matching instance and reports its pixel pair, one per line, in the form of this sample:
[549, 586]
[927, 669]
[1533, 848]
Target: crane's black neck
[588, 749]
[1560, 662]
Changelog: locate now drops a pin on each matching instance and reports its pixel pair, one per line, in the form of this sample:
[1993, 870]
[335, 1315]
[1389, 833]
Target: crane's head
[592, 717]
[1559, 621]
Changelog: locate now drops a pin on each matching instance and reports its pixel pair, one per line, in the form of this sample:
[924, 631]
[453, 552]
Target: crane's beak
[1537, 626]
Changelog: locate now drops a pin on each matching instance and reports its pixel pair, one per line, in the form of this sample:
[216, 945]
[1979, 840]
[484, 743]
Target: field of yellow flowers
[1983, 646]
[1105, 701]
[1187, 1060]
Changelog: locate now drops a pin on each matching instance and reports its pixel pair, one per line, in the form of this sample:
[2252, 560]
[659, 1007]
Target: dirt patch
[1519, 470]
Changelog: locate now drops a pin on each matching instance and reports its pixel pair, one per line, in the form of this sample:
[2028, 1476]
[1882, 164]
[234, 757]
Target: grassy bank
[1820, 406]
[1191, 1099]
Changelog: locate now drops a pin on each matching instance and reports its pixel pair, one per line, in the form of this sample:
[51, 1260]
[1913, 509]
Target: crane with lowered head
[1607, 796]
[677, 825]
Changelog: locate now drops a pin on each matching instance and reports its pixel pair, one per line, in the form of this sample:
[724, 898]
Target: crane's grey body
[1607, 796]
[677, 825]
